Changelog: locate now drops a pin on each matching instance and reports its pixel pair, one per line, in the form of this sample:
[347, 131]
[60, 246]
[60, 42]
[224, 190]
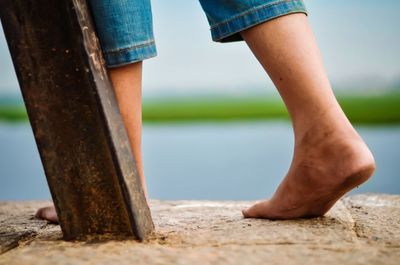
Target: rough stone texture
[361, 229]
[376, 217]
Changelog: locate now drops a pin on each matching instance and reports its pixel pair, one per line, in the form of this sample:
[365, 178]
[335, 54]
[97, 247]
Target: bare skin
[127, 82]
[330, 158]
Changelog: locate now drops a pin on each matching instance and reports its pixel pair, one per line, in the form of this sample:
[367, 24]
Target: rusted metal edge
[138, 210]
[90, 169]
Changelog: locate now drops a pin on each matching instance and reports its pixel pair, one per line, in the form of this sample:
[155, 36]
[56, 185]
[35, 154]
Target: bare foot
[47, 213]
[327, 163]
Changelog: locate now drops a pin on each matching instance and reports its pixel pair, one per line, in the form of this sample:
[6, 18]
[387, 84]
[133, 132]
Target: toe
[258, 210]
[47, 213]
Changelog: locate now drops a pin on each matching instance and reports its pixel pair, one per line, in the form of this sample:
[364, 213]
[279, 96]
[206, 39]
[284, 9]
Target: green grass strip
[379, 109]
[213, 109]
[13, 113]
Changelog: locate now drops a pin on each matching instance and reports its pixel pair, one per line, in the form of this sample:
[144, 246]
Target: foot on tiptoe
[326, 165]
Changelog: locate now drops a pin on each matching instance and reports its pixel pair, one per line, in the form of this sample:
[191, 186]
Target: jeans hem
[229, 30]
[130, 55]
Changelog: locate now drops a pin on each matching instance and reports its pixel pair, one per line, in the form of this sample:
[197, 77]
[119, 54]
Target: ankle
[341, 150]
[319, 126]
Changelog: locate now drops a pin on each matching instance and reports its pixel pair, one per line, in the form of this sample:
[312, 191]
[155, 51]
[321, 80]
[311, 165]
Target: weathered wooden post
[75, 118]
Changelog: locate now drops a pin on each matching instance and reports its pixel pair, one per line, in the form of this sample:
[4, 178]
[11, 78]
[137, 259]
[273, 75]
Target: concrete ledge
[361, 229]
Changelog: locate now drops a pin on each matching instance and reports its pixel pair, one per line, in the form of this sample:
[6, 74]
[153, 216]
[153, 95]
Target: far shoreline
[368, 109]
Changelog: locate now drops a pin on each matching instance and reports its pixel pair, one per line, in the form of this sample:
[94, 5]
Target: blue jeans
[125, 27]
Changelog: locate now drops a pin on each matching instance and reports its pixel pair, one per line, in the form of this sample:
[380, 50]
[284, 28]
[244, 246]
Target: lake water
[200, 161]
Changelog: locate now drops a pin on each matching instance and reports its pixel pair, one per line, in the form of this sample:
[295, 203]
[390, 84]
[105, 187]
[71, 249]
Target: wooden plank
[75, 119]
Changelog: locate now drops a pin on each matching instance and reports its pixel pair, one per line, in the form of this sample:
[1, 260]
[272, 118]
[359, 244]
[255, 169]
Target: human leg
[125, 32]
[127, 83]
[330, 158]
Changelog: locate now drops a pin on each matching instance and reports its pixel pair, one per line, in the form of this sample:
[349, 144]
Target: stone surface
[361, 229]
[376, 217]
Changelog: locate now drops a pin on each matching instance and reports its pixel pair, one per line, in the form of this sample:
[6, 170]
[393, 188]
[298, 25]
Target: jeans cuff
[130, 55]
[228, 31]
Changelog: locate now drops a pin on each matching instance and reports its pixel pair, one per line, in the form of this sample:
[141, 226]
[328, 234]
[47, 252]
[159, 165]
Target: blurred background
[214, 125]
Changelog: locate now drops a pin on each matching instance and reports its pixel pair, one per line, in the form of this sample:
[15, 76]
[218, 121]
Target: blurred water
[200, 161]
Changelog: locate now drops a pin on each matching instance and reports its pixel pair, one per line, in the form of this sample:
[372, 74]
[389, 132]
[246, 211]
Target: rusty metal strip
[75, 119]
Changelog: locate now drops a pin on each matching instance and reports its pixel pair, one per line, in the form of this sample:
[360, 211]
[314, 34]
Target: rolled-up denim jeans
[125, 27]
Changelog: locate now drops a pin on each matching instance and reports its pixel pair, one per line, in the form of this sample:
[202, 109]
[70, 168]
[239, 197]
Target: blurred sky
[359, 39]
